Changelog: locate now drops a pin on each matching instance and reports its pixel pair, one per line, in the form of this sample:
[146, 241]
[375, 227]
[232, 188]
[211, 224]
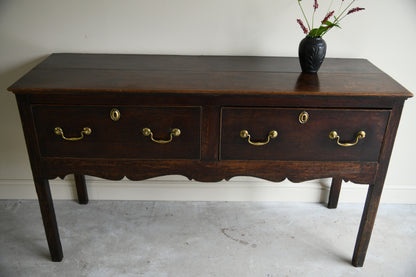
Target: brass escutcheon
[303, 117]
[115, 114]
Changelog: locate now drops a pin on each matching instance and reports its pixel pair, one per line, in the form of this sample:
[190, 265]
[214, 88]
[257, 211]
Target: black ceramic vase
[312, 52]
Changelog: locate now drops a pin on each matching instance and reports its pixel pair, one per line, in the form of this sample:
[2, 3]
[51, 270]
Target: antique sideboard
[208, 118]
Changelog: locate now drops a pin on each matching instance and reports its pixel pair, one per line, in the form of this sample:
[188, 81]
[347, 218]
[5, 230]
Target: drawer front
[308, 141]
[122, 138]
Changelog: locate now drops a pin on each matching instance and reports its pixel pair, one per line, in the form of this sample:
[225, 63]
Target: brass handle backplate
[246, 134]
[86, 131]
[115, 114]
[174, 133]
[359, 135]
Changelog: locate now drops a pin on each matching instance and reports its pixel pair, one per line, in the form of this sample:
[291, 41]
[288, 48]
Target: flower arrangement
[330, 20]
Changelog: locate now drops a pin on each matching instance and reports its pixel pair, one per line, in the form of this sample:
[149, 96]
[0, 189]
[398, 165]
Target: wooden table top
[128, 73]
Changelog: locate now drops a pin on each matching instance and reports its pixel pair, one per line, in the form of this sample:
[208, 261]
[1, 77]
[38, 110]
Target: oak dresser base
[208, 118]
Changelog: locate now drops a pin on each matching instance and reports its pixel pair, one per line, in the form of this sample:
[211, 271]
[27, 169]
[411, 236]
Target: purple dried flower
[357, 9]
[330, 20]
[328, 16]
[305, 30]
[315, 6]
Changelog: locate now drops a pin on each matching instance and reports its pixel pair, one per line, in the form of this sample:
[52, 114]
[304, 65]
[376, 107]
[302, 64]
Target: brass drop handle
[174, 133]
[86, 131]
[358, 136]
[245, 134]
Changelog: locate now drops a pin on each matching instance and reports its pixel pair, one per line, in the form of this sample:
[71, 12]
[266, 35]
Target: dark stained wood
[209, 138]
[29, 132]
[375, 189]
[209, 171]
[49, 219]
[41, 184]
[187, 74]
[81, 189]
[211, 99]
[175, 99]
[197, 63]
[118, 139]
[52, 81]
[311, 140]
[334, 192]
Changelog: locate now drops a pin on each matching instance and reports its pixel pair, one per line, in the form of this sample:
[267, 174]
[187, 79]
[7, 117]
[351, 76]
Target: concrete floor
[135, 238]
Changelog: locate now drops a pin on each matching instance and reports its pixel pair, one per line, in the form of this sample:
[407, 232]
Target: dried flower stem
[330, 6]
[303, 12]
[305, 30]
[330, 20]
[340, 6]
[327, 17]
[340, 17]
[342, 14]
[315, 7]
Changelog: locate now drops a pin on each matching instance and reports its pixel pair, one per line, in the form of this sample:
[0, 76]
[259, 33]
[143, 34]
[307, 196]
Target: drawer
[309, 141]
[122, 138]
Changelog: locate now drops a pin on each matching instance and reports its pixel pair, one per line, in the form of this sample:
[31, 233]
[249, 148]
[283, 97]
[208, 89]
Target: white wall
[30, 30]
